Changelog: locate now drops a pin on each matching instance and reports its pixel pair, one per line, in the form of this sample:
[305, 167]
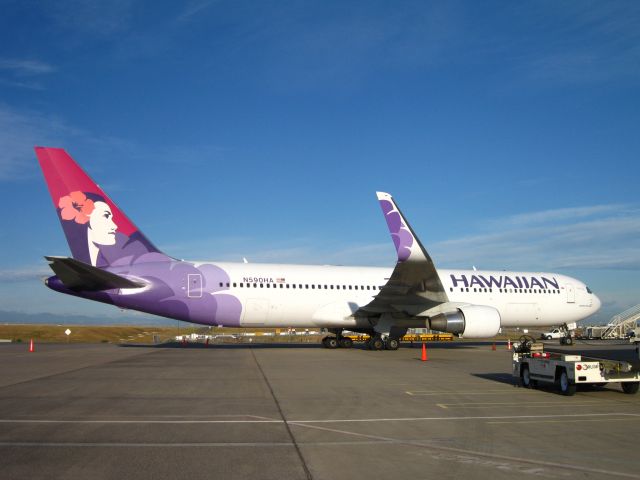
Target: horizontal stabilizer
[77, 275]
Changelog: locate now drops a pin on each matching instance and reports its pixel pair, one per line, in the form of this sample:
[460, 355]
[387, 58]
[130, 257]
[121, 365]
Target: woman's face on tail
[102, 225]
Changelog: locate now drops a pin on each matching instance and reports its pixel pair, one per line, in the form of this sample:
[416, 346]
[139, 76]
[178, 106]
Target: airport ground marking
[316, 421]
[523, 405]
[423, 393]
[142, 422]
[507, 458]
[147, 445]
[584, 420]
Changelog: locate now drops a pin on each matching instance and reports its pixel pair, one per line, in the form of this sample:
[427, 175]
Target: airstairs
[620, 325]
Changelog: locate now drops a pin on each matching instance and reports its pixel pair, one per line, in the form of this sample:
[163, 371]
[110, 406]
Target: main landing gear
[378, 343]
[337, 342]
[373, 343]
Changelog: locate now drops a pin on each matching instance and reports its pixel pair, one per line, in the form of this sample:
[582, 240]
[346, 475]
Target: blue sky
[508, 132]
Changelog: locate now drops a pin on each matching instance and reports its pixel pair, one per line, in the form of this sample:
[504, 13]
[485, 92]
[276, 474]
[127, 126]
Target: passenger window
[242, 285]
[234, 284]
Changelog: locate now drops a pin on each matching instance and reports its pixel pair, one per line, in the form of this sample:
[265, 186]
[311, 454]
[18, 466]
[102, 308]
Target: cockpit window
[589, 290]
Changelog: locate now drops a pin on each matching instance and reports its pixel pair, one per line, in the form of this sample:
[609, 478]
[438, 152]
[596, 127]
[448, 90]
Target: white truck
[532, 365]
[555, 333]
[564, 332]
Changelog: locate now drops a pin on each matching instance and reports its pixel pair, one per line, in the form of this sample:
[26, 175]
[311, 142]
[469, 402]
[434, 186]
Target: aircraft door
[194, 285]
[571, 293]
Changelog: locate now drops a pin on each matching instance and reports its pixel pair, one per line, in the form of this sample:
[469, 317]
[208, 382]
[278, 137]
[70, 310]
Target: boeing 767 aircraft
[113, 262]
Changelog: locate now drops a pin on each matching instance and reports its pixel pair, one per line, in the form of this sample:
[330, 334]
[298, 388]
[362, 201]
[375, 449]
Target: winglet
[407, 245]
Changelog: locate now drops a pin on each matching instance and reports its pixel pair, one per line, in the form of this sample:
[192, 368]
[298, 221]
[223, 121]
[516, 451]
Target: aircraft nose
[596, 303]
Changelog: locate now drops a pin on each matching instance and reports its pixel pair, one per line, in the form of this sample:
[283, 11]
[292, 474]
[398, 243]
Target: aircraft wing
[414, 285]
[78, 275]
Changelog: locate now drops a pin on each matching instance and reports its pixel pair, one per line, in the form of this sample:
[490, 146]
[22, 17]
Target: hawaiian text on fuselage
[504, 281]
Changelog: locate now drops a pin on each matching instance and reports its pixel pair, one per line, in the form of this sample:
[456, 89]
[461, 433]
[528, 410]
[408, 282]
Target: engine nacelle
[471, 321]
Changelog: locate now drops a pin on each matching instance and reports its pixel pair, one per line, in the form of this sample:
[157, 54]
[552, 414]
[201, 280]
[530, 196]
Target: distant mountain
[56, 319]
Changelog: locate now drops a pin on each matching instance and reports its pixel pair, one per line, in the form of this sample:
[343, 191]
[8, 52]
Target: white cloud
[25, 67]
[559, 214]
[194, 8]
[20, 131]
[25, 273]
[601, 237]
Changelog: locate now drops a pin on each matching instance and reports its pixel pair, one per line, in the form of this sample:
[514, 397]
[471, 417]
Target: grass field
[92, 334]
[149, 334]
[117, 334]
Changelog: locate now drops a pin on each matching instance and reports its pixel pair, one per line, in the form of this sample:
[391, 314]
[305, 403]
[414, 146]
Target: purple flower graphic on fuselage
[169, 294]
[400, 234]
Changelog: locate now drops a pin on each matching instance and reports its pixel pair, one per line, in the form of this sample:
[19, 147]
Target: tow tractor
[532, 365]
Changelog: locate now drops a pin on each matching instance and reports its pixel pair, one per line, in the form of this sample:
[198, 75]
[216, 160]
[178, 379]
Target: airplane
[113, 262]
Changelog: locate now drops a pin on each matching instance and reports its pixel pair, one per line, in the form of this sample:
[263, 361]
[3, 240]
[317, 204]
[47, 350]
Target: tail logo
[89, 220]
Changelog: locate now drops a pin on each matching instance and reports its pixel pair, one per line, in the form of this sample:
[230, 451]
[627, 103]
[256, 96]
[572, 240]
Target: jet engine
[471, 321]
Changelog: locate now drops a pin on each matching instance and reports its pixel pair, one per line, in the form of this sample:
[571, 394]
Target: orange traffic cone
[31, 349]
[509, 344]
[493, 347]
[424, 357]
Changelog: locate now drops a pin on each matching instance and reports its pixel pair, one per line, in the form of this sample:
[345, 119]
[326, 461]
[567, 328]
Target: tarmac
[300, 412]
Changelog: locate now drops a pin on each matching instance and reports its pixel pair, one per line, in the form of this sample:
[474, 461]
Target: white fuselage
[275, 295]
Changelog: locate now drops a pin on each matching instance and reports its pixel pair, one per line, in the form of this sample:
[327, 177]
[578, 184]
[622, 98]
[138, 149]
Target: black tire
[630, 387]
[377, 343]
[346, 342]
[568, 341]
[525, 377]
[330, 342]
[392, 344]
[566, 387]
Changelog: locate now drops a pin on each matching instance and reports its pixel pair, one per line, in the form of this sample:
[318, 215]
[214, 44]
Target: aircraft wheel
[377, 343]
[345, 342]
[392, 344]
